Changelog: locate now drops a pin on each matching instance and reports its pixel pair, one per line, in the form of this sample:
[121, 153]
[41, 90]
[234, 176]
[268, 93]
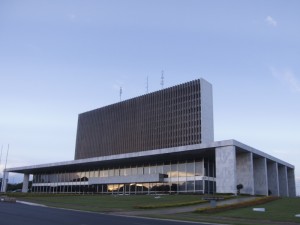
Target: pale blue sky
[59, 58]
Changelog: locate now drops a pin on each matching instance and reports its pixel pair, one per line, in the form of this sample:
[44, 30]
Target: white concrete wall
[244, 171]
[273, 184]
[260, 176]
[207, 119]
[291, 182]
[283, 181]
[4, 181]
[25, 183]
[226, 169]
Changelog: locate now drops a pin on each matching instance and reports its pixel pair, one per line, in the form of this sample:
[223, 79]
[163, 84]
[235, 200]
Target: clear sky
[59, 58]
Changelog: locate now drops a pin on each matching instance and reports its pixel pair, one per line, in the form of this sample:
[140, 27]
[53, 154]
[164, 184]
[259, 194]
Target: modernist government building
[161, 142]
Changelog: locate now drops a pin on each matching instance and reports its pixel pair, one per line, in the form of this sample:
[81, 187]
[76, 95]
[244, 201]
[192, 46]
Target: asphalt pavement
[22, 214]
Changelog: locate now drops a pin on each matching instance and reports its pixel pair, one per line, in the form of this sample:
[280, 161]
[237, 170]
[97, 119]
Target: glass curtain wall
[194, 176]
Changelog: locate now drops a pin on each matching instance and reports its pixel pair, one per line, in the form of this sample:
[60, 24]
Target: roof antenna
[162, 79]
[121, 91]
[147, 86]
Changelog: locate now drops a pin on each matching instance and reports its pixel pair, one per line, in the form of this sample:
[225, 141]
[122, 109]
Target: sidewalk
[183, 209]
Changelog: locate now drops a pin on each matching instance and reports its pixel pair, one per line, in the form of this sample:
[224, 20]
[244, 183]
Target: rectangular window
[146, 170]
[117, 172]
[127, 171]
[181, 186]
[134, 171]
[190, 186]
[92, 173]
[199, 168]
[167, 169]
[140, 170]
[102, 173]
[105, 173]
[181, 170]
[111, 173]
[159, 169]
[122, 172]
[199, 185]
[152, 169]
[174, 170]
[190, 169]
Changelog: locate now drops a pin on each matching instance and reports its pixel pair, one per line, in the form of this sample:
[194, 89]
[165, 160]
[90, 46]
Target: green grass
[280, 210]
[106, 203]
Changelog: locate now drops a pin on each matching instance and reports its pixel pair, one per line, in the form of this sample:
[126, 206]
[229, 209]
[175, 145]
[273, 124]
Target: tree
[239, 187]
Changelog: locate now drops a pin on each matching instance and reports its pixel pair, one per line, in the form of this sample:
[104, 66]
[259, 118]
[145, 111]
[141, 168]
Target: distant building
[162, 142]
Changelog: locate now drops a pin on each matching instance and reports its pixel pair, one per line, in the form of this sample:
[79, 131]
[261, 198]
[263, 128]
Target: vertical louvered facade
[167, 118]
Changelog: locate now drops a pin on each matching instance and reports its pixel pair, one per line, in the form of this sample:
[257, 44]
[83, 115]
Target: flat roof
[174, 153]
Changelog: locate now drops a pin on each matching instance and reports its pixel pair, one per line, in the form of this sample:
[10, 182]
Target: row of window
[187, 169]
[199, 186]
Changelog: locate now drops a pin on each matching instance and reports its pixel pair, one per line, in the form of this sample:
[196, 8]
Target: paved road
[21, 214]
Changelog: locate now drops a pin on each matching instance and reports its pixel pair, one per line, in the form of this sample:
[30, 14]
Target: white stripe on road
[30, 203]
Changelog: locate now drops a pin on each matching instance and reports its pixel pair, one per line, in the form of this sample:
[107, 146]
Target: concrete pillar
[4, 181]
[260, 176]
[244, 171]
[291, 182]
[273, 185]
[207, 119]
[226, 169]
[25, 183]
[283, 181]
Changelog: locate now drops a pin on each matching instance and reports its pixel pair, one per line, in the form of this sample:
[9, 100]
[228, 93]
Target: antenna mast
[162, 79]
[121, 91]
[147, 86]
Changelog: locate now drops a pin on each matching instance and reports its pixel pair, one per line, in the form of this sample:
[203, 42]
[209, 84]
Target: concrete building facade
[161, 142]
[176, 116]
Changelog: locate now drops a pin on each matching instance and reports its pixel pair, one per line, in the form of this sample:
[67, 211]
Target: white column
[260, 176]
[207, 120]
[25, 183]
[226, 169]
[4, 181]
[273, 185]
[291, 182]
[244, 171]
[283, 181]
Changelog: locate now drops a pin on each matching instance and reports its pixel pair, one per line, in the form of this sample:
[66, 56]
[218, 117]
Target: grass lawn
[108, 203]
[281, 211]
